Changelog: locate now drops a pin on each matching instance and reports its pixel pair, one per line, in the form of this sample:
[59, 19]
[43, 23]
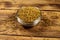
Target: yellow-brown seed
[28, 14]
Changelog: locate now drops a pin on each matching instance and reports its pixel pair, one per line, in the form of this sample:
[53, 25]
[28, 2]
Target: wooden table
[47, 29]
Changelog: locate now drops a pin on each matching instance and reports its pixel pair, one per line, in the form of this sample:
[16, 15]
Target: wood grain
[3, 37]
[47, 29]
[34, 1]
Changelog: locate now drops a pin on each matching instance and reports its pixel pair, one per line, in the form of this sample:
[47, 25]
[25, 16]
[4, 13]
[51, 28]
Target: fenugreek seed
[29, 14]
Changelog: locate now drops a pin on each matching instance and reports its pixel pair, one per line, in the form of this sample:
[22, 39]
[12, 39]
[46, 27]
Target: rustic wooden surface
[3, 37]
[34, 1]
[47, 29]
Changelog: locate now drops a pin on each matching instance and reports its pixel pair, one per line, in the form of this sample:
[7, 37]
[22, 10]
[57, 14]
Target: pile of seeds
[29, 14]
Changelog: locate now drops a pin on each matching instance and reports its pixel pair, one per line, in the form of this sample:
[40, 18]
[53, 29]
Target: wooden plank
[48, 27]
[4, 37]
[34, 1]
[6, 14]
[41, 7]
[10, 29]
[45, 6]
